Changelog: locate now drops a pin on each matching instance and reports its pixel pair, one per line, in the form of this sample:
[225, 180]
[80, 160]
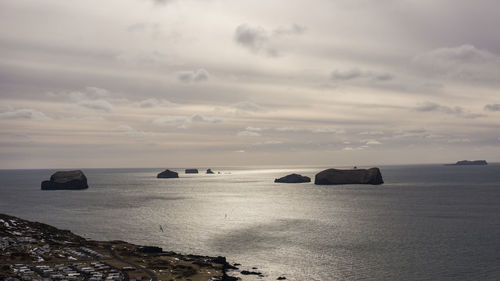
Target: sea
[426, 222]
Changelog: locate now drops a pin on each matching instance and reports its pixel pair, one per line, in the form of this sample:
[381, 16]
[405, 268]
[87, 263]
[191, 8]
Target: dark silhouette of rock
[293, 178]
[357, 176]
[149, 249]
[469, 163]
[209, 171]
[167, 174]
[66, 180]
[281, 278]
[191, 171]
[246, 272]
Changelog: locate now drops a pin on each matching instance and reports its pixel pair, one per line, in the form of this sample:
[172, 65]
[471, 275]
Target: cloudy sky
[175, 83]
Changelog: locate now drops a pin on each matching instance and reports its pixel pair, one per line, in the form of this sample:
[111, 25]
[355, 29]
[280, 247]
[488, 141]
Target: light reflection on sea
[427, 222]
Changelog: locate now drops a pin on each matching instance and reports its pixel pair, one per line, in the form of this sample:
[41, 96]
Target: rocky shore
[36, 251]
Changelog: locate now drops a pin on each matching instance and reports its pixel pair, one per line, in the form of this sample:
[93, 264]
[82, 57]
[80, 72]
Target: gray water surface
[427, 222]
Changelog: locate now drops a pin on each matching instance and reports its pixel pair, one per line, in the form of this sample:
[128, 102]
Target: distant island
[167, 174]
[469, 163]
[69, 180]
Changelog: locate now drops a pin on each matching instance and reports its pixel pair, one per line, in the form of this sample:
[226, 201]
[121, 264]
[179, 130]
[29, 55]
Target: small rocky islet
[293, 178]
[167, 174]
[353, 176]
[66, 180]
[76, 179]
[338, 177]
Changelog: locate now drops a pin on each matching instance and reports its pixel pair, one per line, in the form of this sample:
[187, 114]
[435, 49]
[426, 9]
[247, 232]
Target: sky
[192, 83]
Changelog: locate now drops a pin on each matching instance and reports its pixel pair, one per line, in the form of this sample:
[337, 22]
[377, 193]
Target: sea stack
[209, 171]
[191, 171]
[293, 178]
[354, 176]
[71, 180]
[167, 174]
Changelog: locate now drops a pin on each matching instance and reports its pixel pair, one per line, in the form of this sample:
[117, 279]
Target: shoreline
[37, 250]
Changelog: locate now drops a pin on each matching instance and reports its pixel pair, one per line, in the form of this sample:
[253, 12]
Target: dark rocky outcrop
[71, 180]
[191, 171]
[246, 272]
[355, 176]
[293, 178]
[149, 249]
[209, 171]
[167, 174]
[470, 163]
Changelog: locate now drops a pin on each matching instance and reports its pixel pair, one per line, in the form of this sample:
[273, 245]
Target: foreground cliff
[36, 251]
[354, 176]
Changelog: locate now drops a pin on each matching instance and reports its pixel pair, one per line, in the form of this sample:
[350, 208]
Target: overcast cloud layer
[170, 83]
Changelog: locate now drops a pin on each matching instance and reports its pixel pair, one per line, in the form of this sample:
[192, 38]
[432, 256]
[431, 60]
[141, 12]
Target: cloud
[199, 75]
[355, 74]
[372, 142]
[153, 29]
[198, 118]
[253, 129]
[26, 114]
[383, 77]
[88, 93]
[321, 130]
[248, 134]
[269, 142]
[94, 98]
[326, 131]
[288, 129]
[162, 2]
[260, 41]
[254, 39]
[169, 120]
[249, 107]
[456, 110]
[184, 121]
[152, 102]
[372, 133]
[461, 62]
[295, 29]
[492, 107]
[345, 75]
[129, 131]
[464, 54]
[5, 108]
[350, 148]
[459, 140]
[99, 105]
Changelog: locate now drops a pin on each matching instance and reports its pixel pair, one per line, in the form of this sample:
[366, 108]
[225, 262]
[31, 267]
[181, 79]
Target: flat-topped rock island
[354, 176]
[69, 180]
[469, 163]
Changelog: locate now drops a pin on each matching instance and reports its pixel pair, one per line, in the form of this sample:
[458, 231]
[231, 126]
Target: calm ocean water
[427, 222]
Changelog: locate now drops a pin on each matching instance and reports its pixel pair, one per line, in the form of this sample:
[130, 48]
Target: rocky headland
[36, 251]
